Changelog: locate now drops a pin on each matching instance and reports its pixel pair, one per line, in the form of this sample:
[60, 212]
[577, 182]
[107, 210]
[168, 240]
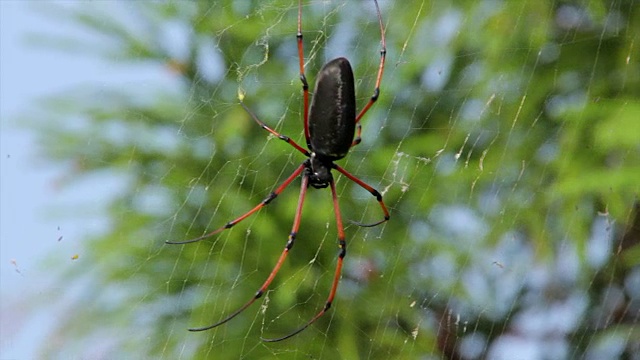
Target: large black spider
[329, 128]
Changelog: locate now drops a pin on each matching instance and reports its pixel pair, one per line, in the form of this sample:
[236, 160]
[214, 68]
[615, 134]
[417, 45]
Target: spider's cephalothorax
[318, 171]
[329, 129]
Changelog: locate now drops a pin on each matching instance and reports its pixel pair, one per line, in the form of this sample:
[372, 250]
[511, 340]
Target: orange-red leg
[342, 245]
[303, 78]
[292, 237]
[371, 190]
[264, 202]
[376, 91]
[284, 138]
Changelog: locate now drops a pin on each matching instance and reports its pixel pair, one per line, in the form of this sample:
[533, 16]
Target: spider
[329, 128]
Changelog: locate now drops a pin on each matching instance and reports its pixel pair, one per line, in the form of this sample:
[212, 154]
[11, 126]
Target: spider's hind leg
[342, 245]
[292, 237]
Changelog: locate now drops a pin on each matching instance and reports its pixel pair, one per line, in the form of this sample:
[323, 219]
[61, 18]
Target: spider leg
[263, 203]
[371, 190]
[292, 237]
[303, 78]
[376, 91]
[284, 138]
[342, 244]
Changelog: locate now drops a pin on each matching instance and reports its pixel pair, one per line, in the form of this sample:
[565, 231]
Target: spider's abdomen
[332, 117]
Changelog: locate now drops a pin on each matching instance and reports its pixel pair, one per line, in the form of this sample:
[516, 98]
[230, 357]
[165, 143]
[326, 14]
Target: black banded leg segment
[292, 237]
[284, 138]
[262, 204]
[371, 190]
[342, 245]
[303, 78]
[376, 90]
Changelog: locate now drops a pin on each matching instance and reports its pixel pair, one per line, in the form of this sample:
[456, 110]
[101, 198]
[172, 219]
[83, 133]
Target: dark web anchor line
[329, 135]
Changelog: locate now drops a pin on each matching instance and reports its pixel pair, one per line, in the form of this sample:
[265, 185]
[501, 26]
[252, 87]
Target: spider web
[496, 143]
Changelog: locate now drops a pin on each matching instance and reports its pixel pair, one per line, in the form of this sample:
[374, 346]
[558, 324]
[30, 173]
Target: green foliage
[503, 133]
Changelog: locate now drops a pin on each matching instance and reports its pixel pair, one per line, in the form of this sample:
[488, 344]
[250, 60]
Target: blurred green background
[506, 143]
